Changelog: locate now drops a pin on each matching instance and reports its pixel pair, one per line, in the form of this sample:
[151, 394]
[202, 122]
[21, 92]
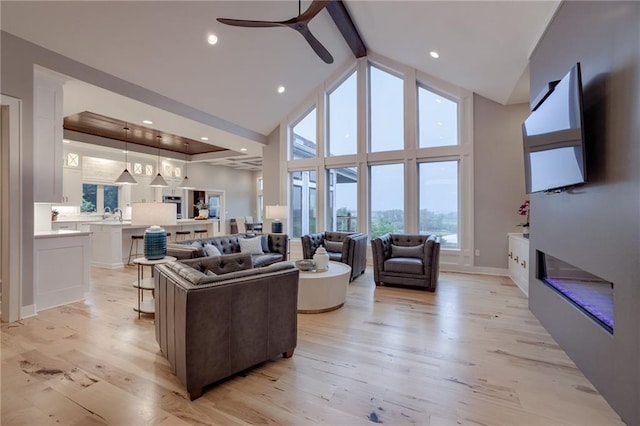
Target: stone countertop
[60, 233]
[127, 223]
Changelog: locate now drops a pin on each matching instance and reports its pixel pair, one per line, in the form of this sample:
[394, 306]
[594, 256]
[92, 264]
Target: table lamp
[155, 215]
[276, 213]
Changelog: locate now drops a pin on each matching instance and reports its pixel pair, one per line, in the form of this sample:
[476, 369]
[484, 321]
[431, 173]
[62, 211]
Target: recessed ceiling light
[347, 135]
[281, 89]
[440, 123]
[124, 151]
[204, 138]
[66, 141]
[438, 101]
[147, 121]
[243, 149]
[434, 54]
[212, 39]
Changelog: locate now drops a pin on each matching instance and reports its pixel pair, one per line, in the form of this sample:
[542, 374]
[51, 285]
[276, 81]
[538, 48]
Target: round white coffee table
[323, 291]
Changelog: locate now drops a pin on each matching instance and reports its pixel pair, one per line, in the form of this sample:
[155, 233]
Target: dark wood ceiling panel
[107, 127]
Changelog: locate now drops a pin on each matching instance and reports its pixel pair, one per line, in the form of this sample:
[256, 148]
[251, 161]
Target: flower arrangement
[201, 205]
[524, 211]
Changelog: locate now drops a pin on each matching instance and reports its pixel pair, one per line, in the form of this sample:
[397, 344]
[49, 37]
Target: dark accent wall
[596, 227]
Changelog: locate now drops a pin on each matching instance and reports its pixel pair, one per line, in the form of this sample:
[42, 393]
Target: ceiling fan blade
[246, 23]
[315, 8]
[315, 44]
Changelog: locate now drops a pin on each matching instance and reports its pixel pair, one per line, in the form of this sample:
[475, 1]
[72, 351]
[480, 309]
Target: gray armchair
[406, 259]
[347, 247]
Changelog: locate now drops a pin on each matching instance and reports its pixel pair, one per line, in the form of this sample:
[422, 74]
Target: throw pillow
[333, 246]
[196, 244]
[211, 274]
[250, 245]
[211, 250]
[412, 251]
[265, 243]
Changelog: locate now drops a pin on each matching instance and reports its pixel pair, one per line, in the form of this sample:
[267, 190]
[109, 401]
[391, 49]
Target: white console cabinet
[518, 260]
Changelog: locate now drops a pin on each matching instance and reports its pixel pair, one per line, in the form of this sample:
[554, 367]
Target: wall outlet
[477, 252]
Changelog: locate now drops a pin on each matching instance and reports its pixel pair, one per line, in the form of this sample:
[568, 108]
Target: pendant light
[125, 177]
[158, 181]
[185, 184]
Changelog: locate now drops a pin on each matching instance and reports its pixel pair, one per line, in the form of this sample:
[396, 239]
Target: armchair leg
[288, 354]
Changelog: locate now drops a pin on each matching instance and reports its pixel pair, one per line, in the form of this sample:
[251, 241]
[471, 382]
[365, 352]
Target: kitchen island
[111, 239]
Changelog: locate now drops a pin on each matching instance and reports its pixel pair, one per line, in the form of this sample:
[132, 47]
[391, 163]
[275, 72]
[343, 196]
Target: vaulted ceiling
[161, 46]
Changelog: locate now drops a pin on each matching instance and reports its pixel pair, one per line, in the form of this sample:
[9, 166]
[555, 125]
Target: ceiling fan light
[126, 178]
[158, 181]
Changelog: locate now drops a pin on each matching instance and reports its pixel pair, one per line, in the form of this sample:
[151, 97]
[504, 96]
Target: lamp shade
[155, 237]
[158, 181]
[125, 178]
[276, 212]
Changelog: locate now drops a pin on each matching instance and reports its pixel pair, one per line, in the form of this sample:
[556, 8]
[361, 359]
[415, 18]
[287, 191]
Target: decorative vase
[525, 231]
[321, 259]
[54, 217]
[155, 243]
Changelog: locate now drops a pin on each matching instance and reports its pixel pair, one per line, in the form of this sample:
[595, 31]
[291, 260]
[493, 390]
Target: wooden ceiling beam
[340, 15]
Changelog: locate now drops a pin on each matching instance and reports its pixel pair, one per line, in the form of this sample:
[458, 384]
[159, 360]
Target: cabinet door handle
[516, 259]
[524, 264]
[510, 255]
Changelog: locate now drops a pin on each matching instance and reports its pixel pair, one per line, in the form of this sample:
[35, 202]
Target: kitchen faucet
[106, 210]
[118, 211]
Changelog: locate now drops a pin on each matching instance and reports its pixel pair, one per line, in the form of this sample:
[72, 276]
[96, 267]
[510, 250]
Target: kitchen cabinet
[142, 192]
[48, 160]
[72, 186]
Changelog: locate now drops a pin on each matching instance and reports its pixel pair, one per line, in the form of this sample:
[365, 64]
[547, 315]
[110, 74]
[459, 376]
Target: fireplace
[591, 294]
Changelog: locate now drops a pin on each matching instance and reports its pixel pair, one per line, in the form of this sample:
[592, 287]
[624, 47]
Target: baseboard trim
[481, 270]
[27, 311]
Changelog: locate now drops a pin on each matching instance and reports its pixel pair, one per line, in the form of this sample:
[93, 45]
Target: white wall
[498, 178]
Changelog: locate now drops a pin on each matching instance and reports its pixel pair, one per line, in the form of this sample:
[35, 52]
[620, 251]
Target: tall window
[303, 202]
[386, 120]
[437, 120]
[96, 197]
[342, 105]
[438, 186]
[342, 203]
[387, 199]
[303, 137]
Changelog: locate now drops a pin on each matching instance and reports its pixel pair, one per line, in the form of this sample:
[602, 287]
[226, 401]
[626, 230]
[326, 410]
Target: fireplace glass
[591, 294]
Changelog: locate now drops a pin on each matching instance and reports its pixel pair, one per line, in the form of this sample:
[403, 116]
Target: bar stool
[134, 238]
[197, 233]
[180, 235]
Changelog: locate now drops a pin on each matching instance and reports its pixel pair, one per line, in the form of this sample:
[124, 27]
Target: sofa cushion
[404, 265]
[251, 245]
[333, 246]
[336, 257]
[265, 259]
[211, 250]
[407, 251]
[218, 278]
[187, 272]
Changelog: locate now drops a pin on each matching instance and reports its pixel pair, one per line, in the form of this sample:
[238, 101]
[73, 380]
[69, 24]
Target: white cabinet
[72, 186]
[47, 166]
[142, 192]
[518, 259]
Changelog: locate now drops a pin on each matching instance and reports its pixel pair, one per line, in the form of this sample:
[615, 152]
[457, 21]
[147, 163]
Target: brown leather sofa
[216, 316]
[277, 245]
[346, 247]
[406, 259]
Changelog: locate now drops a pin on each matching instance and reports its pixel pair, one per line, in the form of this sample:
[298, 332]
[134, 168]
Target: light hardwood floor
[470, 354]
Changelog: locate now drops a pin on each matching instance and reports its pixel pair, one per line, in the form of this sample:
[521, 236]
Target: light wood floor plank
[470, 354]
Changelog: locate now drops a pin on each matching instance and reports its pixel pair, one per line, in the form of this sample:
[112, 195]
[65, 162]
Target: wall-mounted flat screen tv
[553, 137]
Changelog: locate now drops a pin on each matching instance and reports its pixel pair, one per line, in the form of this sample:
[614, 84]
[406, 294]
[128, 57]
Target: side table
[142, 283]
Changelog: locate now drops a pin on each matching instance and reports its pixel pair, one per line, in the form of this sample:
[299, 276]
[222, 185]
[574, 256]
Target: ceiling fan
[298, 23]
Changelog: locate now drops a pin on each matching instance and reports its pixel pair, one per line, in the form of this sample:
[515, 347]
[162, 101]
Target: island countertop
[127, 223]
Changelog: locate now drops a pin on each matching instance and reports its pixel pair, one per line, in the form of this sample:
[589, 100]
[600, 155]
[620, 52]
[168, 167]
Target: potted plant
[203, 209]
[54, 215]
[524, 211]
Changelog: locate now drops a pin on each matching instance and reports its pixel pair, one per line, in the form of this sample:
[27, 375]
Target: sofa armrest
[279, 243]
